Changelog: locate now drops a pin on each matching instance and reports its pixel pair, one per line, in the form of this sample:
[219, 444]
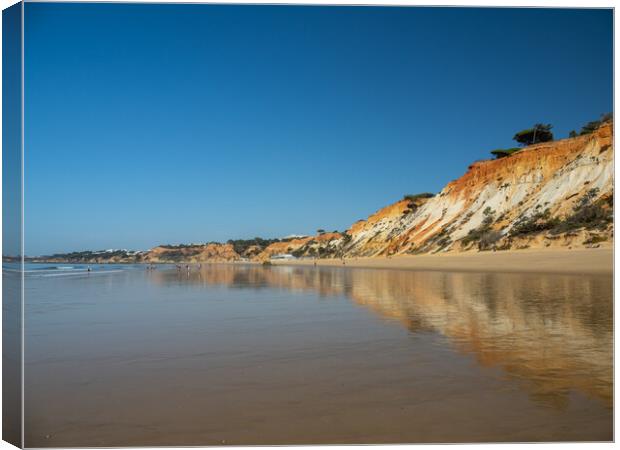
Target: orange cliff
[519, 198]
[191, 253]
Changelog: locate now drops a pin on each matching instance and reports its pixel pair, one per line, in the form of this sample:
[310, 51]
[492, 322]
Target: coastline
[560, 261]
[552, 261]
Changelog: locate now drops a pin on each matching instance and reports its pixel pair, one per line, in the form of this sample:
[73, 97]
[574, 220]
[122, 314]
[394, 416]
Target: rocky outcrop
[323, 245]
[191, 253]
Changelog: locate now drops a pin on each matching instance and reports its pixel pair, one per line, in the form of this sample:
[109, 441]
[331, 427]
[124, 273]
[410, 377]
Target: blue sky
[11, 130]
[150, 124]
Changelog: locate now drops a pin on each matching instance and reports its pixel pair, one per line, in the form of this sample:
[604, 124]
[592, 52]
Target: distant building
[295, 236]
[282, 256]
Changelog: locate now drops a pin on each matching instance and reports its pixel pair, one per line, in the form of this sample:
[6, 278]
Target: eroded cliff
[552, 194]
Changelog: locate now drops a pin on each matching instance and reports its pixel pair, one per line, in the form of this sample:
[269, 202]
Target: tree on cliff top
[538, 133]
[590, 127]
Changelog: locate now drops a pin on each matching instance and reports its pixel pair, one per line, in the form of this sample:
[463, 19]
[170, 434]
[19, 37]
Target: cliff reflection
[553, 333]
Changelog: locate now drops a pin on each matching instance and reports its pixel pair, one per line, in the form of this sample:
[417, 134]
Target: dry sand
[595, 260]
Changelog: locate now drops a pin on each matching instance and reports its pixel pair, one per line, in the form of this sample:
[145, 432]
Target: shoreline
[559, 261]
[553, 261]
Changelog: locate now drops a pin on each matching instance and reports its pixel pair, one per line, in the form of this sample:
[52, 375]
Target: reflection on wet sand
[553, 332]
[244, 354]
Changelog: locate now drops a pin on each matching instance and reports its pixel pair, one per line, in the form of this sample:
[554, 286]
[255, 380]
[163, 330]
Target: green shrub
[595, 240]
[241, 245]
[488, 211]
[414, 197]
[590, 216]
[297, 252]
[586, 214]
[504, 152]
[537, 222]
[489, 239]
[476, 234]
[443, 242]
[592, 126]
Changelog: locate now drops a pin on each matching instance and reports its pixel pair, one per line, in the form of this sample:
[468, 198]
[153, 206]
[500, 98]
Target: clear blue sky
[149, 124]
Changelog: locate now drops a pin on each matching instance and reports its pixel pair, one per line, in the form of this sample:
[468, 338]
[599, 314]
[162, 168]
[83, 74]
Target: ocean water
[245, 354]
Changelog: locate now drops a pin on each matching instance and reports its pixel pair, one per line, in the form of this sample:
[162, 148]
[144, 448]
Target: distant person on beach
[88, 269]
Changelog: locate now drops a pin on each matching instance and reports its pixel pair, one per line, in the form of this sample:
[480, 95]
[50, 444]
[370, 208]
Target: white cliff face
[551, 177]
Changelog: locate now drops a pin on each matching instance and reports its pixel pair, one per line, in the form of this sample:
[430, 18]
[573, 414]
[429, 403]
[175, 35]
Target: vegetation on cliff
[542, 133]
[538, 133]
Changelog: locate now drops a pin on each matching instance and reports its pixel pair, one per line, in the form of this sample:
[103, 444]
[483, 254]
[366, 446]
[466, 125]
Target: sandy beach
[591, 261]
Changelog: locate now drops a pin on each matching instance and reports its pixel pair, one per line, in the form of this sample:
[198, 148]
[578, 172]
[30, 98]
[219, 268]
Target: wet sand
[591, 261]
[245, 354]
